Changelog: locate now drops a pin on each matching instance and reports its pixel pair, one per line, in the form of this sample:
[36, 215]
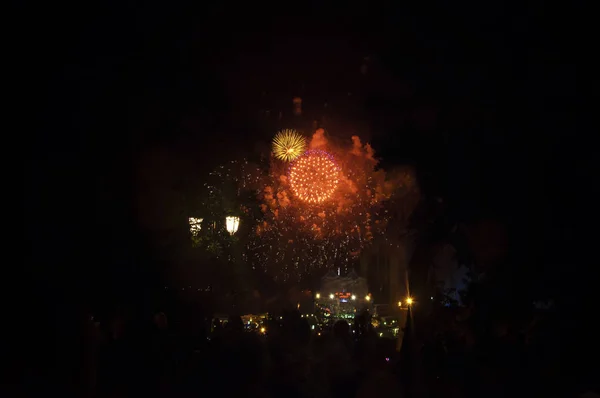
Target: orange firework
[314, 176]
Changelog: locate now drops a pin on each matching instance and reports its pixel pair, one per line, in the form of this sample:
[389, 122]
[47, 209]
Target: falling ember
[314, 176]
[288, 145]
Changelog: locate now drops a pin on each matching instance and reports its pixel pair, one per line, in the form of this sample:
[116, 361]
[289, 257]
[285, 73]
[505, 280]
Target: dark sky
[477, 96]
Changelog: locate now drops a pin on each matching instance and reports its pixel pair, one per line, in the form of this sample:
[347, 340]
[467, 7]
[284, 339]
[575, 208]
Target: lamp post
[232, 224]
[195, 225]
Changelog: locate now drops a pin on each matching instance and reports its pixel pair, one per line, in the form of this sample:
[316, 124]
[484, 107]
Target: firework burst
[288, 145]
[314, 176]
[314, 214]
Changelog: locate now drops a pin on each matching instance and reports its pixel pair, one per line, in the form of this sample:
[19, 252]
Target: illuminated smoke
[318, 140]
[297, 106]
[310, 221]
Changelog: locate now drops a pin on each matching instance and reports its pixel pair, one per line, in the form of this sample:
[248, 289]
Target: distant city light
[331, 296]
[318, 295]
[353, 297]
[399, 303]
[409, 301]
[368, 298]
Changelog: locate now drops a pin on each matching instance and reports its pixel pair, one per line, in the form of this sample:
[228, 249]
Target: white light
[232, 223]
[353, 297]
[331, 296]
[368, 298]
[318, 295]
[432, 297]
[195, 225]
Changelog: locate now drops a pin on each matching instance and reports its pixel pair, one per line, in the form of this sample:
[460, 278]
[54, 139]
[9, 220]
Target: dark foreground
[160, 358]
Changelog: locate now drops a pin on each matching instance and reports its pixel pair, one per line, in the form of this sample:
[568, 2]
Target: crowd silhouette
[156, 358]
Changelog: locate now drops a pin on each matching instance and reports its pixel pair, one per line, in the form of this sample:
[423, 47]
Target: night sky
[478, 97]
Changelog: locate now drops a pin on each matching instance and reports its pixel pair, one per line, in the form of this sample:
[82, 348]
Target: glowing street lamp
[331, 296]
[368, 298]
[195, 225]
[399, 303]
[232, 224]
[353, 297]
[409, 301]
[318, 296]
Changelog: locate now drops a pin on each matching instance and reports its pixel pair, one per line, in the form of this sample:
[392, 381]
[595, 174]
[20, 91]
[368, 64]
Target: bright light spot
[353, 297]
[380, 334]
[288, 145]
[399, 303]
[263, 330]
[318, 295]
[232, 224]
[195, 225]
[409, 301]
[314, 176]
[312, 327]
[331, 296]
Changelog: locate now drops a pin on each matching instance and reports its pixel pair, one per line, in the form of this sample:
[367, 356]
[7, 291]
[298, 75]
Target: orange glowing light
[314, 176]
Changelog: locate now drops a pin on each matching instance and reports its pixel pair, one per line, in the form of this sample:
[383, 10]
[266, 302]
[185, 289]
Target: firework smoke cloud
[319, 210]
